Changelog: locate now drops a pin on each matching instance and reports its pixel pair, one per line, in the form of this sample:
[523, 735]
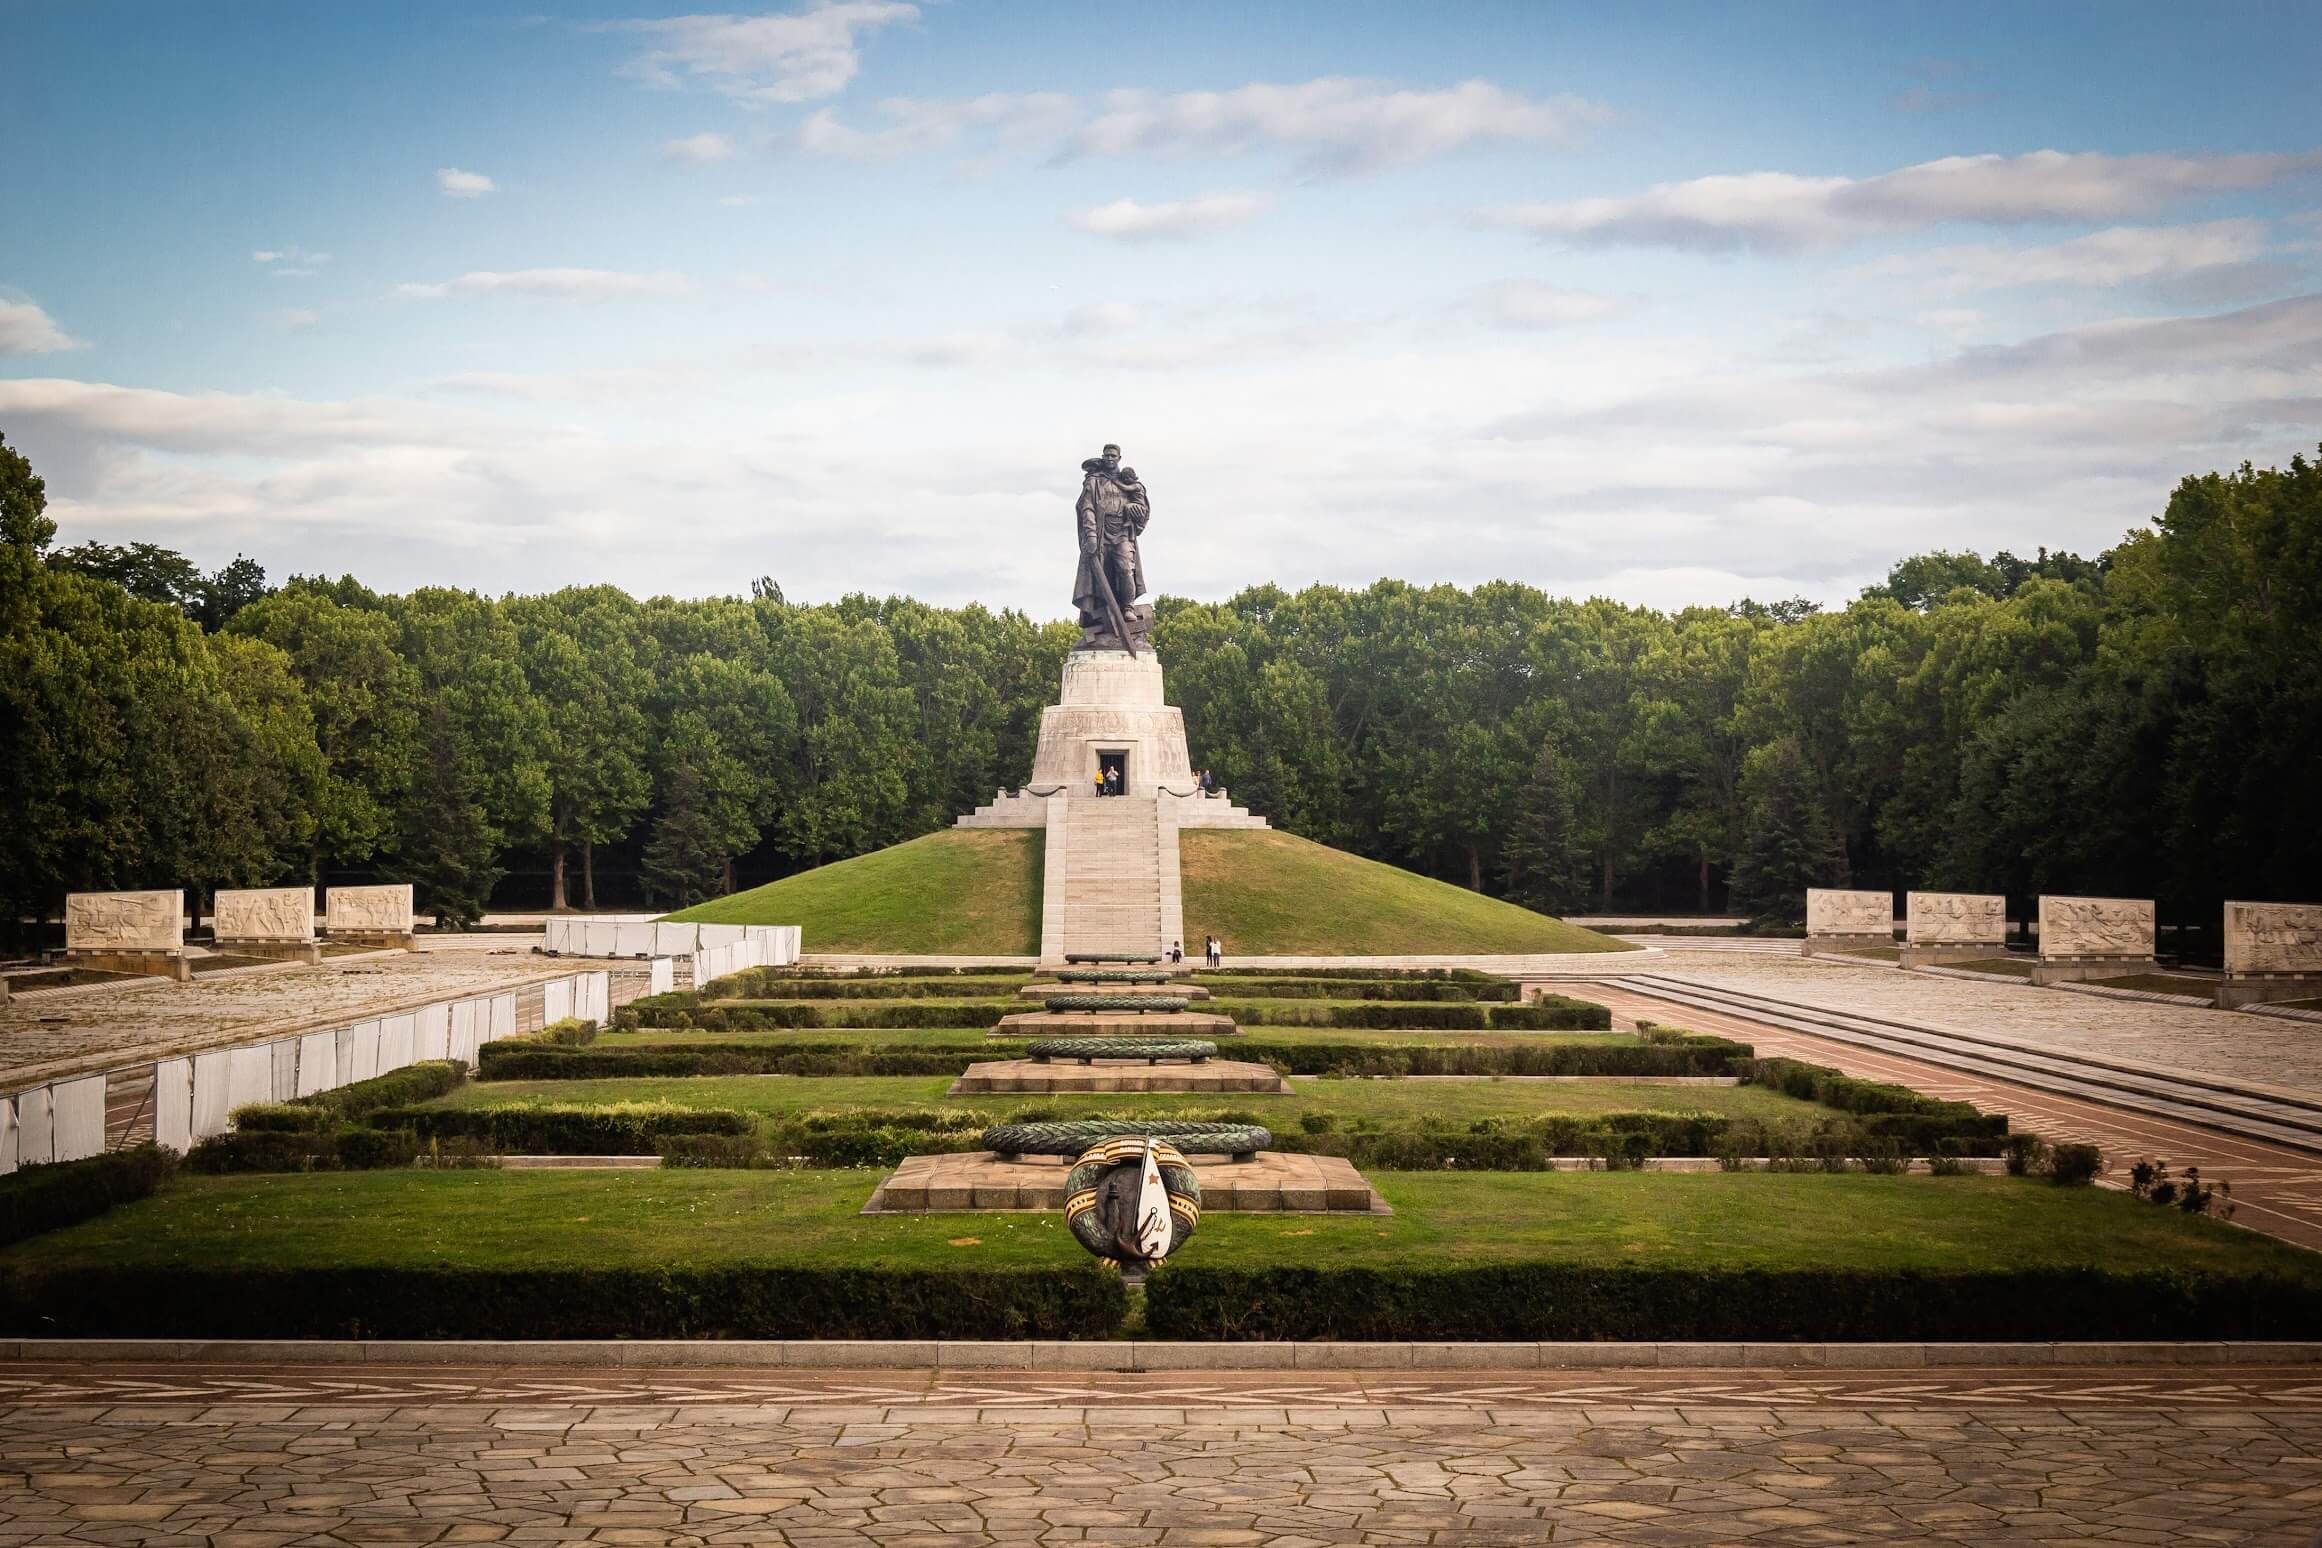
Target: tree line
[2145, 723]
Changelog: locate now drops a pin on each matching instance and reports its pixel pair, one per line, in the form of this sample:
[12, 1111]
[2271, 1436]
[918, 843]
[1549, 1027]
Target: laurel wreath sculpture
[1078, 958]
[1190, 1136]
[1084, 1189]
[1116, 1002]
[1150, 1049]
[1111, 976]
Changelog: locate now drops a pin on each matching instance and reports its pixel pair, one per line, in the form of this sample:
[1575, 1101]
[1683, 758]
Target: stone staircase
[1111, 877]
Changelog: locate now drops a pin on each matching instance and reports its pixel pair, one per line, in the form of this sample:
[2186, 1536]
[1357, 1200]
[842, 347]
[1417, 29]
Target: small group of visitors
[1108, 781]
[1212, 949]
[1208, 786]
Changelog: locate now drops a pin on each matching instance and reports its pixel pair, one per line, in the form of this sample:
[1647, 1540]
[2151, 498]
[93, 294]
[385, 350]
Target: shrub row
[48, 1197]
[685, 1059]
[1707, 1056]
[421, 1082]
[1074, 1299]
[788, 984]
[1556, 1301]
[686, 1011]
[1820, 1083]
[1554, 1014]
[611, 1129]
[332, 1147]
[1502, 991]
[1408, 975]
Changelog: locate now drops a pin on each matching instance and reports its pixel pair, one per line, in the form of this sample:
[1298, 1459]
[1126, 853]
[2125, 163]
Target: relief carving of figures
[1830, 911]
[266, 914]
[134, 921]
[1957, 916]
[2273, 938]
[2095, 926]
[370, 908]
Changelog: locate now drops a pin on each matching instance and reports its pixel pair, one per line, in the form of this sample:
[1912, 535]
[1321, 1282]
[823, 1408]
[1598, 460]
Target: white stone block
[396, 1041]
[384, 910]
[125, 921]
[1956, 919]
[78, 1113]
[35, 1129]
[2096, 927]
[2273, 938]
[173, 1104]
[318, 1063]
[1836, 911]
[264, 914]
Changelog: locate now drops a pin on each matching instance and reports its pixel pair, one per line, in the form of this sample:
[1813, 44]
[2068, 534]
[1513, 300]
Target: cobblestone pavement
[2276, 1190]
[47, 1034]
[2262, 1049]
[2226, 1456]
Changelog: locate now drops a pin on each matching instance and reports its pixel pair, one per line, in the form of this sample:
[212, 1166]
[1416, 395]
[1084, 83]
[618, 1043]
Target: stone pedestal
[1103, 1075]
[272, 951]
[2082, 969]
[406, 940]
[2234, 993]
[151, 964]
[1040, 993]
[1936, 956]
[1111, 705]
[982, 1180]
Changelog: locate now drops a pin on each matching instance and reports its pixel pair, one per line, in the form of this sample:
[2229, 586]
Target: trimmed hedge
[1289, 988]
[50, 1195]
[686, 1059]
[421, 1082]
[787, 984]
[618, 1129]
[1899, 1109]
[1706, 1056]
[1554, 1014]
[333, 1148]
[683, 1010]
[1558, 1301]
[1075, 1299]
[1407, 975]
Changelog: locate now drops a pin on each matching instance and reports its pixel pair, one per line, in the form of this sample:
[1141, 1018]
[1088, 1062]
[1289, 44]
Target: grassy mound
[959, 892]
[1267, 894]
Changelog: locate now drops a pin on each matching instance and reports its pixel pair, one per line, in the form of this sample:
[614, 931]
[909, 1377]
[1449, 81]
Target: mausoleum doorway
[1113, 770]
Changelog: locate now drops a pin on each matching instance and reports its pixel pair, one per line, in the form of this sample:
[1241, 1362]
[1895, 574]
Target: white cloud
[300, 317]
[553, 285]
[1333, 124]
[1782, 211]
[1126, 220]
[27, 330]
[2114, 256]
[1525, 305]
[796, 56]
[457, 184]
[289, 260]
[698, 150]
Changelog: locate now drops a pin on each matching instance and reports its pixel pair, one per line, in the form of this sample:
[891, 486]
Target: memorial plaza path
[120, 1454]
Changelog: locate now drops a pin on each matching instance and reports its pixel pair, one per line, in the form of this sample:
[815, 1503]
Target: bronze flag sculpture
[1110, 516]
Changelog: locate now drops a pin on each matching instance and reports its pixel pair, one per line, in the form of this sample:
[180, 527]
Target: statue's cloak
[1111, 516]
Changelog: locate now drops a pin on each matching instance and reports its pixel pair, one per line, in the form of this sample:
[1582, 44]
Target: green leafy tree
[584, 653]
[1789, 843]
[704, 823]
[1546, 854]
[449, 849]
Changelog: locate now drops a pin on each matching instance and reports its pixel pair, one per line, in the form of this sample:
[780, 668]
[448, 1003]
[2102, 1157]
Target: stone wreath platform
[1275, 1182]
[1030, 1075]
[1195, 1024]
[1037, 993]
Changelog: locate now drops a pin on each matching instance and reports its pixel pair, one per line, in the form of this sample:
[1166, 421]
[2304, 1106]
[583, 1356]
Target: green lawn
[1386, 1101]
[2162, 983]
[653, 1219]
[960, 892]
[2000, 967]
[1266, 893]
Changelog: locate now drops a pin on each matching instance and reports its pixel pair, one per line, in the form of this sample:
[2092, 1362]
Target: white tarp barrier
[78, 1114]
[35, 1134]
[500, 1018]
[556, 1001]
[362, 1048]
[249, 1076]
[396, 1040]
[431, 1032]
[173, 1104]
[661, 977]
[466, 1016]
[632, 940]
[675, 940]
[721, 935]
[318, 1063]
[210, 1094]
[7, 1135]
[597, 936]
[284, 1080]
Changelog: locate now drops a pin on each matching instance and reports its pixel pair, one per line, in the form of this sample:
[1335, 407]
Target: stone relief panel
[2273, 938]
[2096, 927]
[1957, 918]
[385, 909]
[125, 921]
[265, 914]
[1833, 911]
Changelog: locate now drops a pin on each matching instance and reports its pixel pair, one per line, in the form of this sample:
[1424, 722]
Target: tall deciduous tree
[1790, 843]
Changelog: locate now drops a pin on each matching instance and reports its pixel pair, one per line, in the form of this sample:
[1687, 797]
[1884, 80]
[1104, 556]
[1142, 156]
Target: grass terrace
[959, 892]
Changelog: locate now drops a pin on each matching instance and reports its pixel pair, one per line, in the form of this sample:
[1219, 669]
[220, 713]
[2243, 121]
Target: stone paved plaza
[2267, 1050]
[1289, 1460]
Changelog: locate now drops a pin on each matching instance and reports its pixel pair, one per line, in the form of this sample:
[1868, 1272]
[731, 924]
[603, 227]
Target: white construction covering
[7, 1135]
[249, 1076]
[499, 1018]
[209, 1094]
[662, 976]
[431, 1032]
[35, 1134]
[173, 1104]
[78, 1112]
[597, 935]
[396, 1035]
[556, 1000]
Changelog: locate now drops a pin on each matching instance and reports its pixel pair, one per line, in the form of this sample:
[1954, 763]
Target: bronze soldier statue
[1111, 516]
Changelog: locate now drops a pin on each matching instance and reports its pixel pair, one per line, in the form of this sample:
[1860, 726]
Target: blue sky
[1673, 304]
